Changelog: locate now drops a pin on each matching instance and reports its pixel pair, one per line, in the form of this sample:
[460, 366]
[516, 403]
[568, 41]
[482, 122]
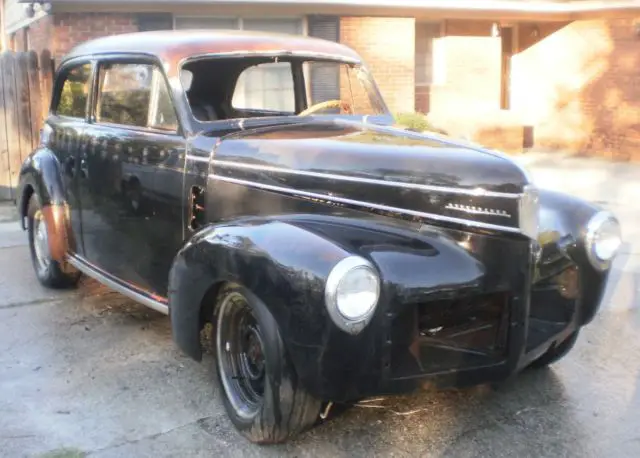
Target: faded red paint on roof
[172, 46]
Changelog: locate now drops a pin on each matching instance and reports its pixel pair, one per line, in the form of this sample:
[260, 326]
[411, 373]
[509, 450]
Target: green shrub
[417, 122]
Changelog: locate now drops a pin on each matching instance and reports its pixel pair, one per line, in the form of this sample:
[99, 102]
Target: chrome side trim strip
[189, 157]
[83, 267]
[342, 200]
[330, 176]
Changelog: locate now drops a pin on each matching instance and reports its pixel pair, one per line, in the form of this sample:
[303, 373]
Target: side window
[135, 95]
[265, 87]
[75, 92]
[124, 94]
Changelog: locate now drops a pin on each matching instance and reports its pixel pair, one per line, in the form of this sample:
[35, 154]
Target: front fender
[563, 220]
[286, 263]
[282, 264]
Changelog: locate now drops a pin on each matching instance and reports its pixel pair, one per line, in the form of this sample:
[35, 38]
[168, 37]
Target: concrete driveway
[90, 372]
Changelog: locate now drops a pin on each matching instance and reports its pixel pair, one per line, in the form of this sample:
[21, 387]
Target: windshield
[351, 85]
[256, 87]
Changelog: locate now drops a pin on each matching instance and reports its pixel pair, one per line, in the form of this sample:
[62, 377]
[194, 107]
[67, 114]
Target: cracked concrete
[89, 370]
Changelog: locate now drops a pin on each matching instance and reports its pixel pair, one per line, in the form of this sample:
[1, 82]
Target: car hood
[414, 174]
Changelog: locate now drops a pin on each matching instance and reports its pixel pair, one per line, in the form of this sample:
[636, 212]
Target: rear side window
[134, 95]
[75, 92]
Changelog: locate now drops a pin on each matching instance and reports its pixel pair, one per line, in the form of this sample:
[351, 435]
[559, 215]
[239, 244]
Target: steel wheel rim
[41, 242]
[240, 354]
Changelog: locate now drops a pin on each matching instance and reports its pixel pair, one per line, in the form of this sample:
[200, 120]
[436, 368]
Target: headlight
[351, 293]
[603, 239]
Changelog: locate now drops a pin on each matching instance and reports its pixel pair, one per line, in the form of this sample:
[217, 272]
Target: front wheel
[262, 393]
[556, 352]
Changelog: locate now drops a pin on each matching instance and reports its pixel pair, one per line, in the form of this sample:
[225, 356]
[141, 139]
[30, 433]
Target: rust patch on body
[59, 231]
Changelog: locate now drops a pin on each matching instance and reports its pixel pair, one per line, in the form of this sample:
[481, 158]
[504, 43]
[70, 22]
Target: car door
[63, 134]
[133, 227]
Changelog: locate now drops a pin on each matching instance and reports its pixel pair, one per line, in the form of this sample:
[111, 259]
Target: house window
[266, 87]
[205, 23]
[281, 25]
[426, 35]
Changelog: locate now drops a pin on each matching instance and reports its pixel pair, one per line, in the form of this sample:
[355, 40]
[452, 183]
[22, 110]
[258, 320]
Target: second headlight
[603, 239]
[351, 293]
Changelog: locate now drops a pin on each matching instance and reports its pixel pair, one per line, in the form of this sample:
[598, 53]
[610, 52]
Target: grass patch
[64, 453]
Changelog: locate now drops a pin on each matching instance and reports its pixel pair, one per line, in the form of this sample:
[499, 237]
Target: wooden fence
[25, 89]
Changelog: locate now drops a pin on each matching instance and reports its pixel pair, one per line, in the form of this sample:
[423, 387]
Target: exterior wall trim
[11, 28]
[478, 9]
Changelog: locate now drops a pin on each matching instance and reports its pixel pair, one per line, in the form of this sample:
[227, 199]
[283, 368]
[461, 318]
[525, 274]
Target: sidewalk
[7, 211]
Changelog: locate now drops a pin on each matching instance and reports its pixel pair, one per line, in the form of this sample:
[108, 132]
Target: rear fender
[41, 173]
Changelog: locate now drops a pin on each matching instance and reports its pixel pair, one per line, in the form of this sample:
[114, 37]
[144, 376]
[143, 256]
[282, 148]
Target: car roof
[173, 46]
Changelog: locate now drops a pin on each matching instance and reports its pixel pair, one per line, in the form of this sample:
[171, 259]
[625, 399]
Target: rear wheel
[556, 352]
[262, 393]
[49, 272]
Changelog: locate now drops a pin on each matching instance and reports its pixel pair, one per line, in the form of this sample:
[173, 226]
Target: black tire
[261, 391]
[556, 352]
[50, 273]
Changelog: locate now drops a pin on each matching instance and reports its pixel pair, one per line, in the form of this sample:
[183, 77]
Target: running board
[116, 285]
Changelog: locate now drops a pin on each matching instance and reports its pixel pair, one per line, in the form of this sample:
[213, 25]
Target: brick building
[512, 74]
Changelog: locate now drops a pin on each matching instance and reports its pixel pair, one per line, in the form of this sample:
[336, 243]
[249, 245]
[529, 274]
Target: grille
[470, 325]
[444, 335]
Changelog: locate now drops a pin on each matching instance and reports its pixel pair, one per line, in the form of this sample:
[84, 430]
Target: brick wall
[74, 28]
[18, 40]
[423, 99]
[574, 87]
[40, 33]
[579, 87]
[387, 46]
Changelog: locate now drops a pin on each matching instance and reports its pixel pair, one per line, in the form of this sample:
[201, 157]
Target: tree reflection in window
[135, 95]
[125, 93]
[75, 91]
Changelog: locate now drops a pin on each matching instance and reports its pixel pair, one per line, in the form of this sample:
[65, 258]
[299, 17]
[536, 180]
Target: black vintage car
[257, 182]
